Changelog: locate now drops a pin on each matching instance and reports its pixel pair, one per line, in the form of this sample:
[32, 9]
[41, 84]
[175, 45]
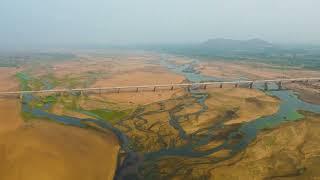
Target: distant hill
[247, 50]
[236, 45]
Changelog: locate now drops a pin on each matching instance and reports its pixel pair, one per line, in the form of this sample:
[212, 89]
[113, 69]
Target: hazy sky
[156, 21]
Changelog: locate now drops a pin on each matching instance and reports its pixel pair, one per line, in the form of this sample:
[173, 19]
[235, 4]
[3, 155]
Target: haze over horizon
[118, 22]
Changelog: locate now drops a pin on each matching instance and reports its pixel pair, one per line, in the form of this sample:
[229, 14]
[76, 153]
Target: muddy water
[236, 140]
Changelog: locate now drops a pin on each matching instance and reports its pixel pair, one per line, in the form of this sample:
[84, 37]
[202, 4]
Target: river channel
[236, 140]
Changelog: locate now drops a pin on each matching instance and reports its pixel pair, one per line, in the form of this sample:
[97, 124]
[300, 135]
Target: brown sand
[10, 117]
[307, 92]
[142, 77]
[101, 63]
[179, 60]
[7, 80]
[44, 150]
[251, 104]
[290, 151]
[252, 70]
[233, 106]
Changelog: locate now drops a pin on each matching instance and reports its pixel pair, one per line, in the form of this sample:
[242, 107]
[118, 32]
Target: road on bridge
[204, 85]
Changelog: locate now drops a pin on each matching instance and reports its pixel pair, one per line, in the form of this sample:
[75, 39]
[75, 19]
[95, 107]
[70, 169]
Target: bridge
[203, 85]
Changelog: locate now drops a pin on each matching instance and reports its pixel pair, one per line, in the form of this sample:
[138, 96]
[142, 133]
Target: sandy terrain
[109, 64]
[44, 150]
[60, 110]
[251, 70]
[10, 115]
[108, 70]
[179, 60]
[231, 106]
[55, 151]
[309, 92]
[258, 103]
[7, 80]
[290, 151]
[140, 77]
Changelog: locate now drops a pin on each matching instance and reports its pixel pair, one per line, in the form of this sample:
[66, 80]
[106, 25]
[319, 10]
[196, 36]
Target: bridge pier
[280, 85]
[221, 85]
[205, 86]
[154, 89]
[171, 88]
[266, 86]
[118, 90]
[236, 85]
[137, 90]
[251, 85]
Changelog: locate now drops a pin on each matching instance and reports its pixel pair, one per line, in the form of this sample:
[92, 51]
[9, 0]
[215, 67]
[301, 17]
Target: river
[288, 111]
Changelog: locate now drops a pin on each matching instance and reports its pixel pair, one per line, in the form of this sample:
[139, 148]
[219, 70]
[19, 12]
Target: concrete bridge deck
[204, 85]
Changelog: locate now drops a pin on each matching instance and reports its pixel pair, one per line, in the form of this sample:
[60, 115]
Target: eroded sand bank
[46, 150]
[10, 115]
[234, 106]
[290, 151]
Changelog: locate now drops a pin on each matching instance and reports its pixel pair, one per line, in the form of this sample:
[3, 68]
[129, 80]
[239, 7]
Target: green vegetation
[295, 115]
[111, 116]
[71, 103]
[27, 115]
[24, 81]
[50, 99]
[29, 83]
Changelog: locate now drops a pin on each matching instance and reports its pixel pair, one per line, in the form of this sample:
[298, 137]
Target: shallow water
[288, 111]
[67, 120]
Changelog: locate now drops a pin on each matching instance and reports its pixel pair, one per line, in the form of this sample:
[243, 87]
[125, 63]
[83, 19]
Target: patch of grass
[50, 99]
[69, 102]
[29, 83]
[27, 116]
[109, 115]
[39, 103]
